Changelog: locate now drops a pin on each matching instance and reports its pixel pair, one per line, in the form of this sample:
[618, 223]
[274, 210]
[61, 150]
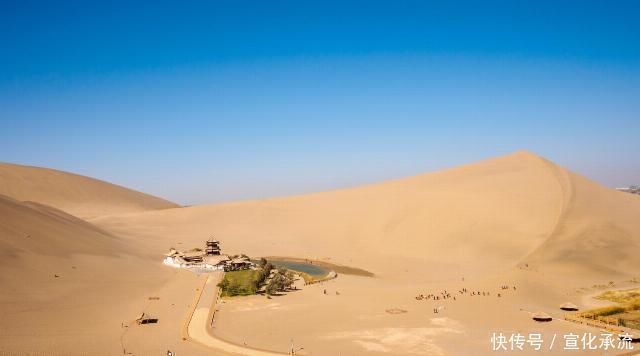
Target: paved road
[200, 322]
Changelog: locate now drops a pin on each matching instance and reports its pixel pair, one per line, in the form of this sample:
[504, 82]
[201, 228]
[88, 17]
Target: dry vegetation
[627, 313]
[621, 296]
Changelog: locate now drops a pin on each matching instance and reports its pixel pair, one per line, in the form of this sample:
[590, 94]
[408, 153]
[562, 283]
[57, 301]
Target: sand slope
[598, 234]
[480, 218]
[34, 228]
[66, 284]
[517, 217]
[516, 220]
[75, 194]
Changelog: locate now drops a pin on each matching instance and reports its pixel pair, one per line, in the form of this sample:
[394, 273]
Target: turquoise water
[310, 269]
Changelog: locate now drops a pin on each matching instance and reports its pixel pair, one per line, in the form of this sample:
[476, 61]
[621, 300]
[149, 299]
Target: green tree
[282, 280]
[271, 289]
[268, 267]
[289, 279]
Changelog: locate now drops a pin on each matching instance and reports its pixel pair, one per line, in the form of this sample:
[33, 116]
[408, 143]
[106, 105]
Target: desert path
[199, 324]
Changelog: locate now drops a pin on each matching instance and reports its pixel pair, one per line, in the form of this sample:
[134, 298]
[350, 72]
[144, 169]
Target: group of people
[479, 293]
[444, 295]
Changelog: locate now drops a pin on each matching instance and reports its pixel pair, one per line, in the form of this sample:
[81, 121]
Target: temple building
[213, 247]
[211, 259]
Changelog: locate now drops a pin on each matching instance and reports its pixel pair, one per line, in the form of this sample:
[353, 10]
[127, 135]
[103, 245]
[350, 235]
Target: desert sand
[80, 196]
[80, 259]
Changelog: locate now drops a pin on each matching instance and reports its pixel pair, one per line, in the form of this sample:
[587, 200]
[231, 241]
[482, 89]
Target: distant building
[213, 247]
[210, 259]
[194, 256]
[241, 263]
[216, 262]
[174, 259]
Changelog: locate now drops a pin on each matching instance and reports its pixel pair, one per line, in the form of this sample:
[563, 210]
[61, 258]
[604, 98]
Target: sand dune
[75, 194]
[481, 218]
[598, 234]
[517, 220]
[66, 285]
[34, 228]
[517, 217]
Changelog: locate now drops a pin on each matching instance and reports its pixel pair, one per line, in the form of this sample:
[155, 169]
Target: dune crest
[78, 195]
[598, 233]
[479, 218]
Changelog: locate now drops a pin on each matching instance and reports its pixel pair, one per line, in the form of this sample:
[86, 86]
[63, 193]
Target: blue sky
[214, 101]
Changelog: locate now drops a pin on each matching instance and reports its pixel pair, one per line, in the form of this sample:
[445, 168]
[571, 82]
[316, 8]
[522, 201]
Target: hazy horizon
[261, 100]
